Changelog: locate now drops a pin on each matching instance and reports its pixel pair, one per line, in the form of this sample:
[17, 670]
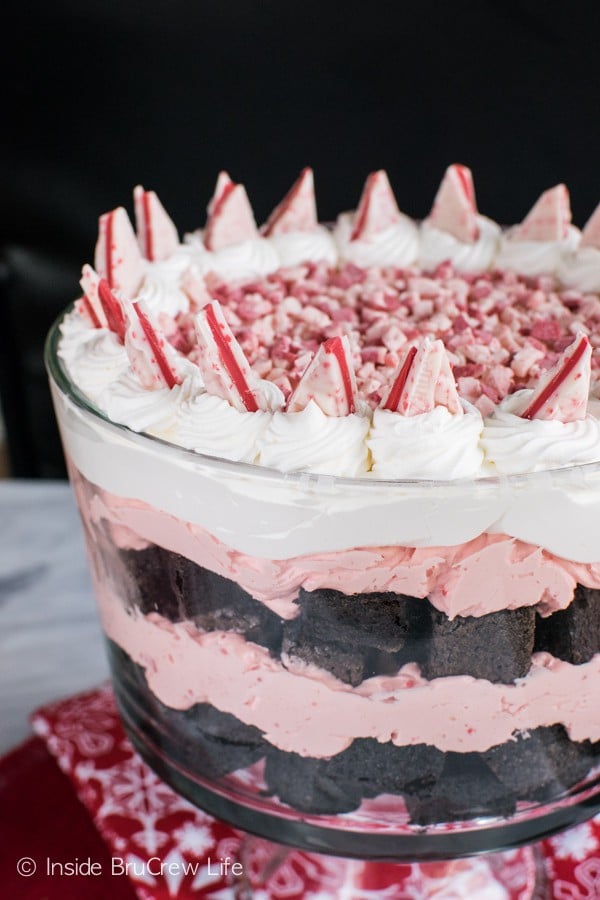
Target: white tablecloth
[50, 639]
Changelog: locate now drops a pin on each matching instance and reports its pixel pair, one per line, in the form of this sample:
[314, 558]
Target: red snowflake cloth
[145, 824]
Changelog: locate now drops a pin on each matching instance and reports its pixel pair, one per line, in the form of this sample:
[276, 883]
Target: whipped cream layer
[580, 269]
[488, 574]
[275, 516]
[308, 711]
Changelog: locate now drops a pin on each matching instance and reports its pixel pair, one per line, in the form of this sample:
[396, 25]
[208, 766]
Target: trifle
[340, 488]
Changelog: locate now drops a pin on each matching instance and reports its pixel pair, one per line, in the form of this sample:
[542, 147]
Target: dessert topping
[454, 209]
[548, 219]
[298, 209]
[112, 309]
[117, 257]
[590, 236]
[562, 392]
[90, 300]
[230, 217]
[423, 381]
[224, 367]
[329, 380]
[152, 358]
[377, 209]
[156, 233]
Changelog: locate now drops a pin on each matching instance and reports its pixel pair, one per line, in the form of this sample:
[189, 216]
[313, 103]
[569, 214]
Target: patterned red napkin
[170, 849]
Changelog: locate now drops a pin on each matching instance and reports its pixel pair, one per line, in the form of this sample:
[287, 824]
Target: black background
[98, 96]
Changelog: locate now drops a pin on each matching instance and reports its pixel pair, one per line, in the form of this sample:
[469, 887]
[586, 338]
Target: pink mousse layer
[308, 711]
[490, 573]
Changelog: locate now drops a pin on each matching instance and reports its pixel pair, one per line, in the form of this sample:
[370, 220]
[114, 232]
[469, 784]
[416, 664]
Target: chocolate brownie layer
[436, 786]
[359, 636]
[572, 634]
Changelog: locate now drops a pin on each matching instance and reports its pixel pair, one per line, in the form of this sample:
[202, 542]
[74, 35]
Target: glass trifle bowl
[402, 670]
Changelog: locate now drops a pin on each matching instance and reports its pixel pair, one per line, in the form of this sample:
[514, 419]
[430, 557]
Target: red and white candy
[562, 392]
[89, 304]
[117, 257]
[377, 208]
[423, 381]
[590, 236]
[454, 209]
[329, 380]
[230, 217]
[156, 232]
[298, 209]
[113, 309]
[548, 219]
[153, 360]
[224, 367]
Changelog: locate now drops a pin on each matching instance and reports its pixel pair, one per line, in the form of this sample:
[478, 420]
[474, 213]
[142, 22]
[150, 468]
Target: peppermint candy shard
[454, 209]
[377, 208]
[329, 380]
[224, 367]
[230, 217]
[91, 301]
[112, 309]
[152, 358]
[194, 287]
[298, 209]
[117, 257]
[562, 392]
[156, 232]
[424, 380]
[590, 236]
[548, 219]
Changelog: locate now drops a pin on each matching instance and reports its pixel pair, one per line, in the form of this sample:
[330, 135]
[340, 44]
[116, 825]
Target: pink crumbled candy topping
[117, 256]
[230, 217]
[562, 392]
[548, 219]
[377, 209]
[156, 232]
[329, 381]
[298, 209]
[454, 209]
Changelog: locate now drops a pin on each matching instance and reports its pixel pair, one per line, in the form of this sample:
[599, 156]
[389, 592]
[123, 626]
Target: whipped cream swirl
[436, 444]
[207, 424]
[248, 259]
[580, 269]
[397, 245]
[437, 246]
[94, 356]
[535, 258]
[311, 441]
[161, 288]
[296, 247]
[513, 445]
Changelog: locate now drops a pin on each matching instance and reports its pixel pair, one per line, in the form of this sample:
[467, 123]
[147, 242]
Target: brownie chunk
[383, 768]
[149, 584]
[572, 634]
[382, 621]
[540, 764]
[497, 647]
[356, 637]
[465, 789]
[169, 584]
[309, 785]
